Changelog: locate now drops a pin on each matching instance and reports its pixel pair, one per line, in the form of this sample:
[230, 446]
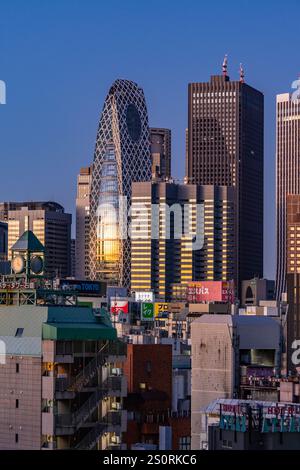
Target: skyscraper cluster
[154, 328]
[132, 167]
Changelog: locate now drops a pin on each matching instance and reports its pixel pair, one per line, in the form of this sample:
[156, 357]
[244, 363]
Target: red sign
[210, 291]
[118, 306]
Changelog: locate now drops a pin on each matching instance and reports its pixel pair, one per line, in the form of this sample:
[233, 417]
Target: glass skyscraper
[122, 155]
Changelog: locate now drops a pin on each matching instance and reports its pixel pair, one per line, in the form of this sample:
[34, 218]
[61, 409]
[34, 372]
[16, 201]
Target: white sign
[144, 296]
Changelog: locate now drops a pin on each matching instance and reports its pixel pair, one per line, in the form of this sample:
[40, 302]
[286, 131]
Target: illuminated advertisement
[144, 296]
[147, 311]
[118, 306]
[210, 291]
[161, 309]
[278, 418]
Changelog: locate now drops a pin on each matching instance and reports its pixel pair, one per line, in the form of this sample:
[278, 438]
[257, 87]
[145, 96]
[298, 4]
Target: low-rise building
[251, 425]
[233, 356]
[61, 377]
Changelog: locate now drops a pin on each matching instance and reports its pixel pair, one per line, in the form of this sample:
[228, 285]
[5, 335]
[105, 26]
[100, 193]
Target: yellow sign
[161, 309]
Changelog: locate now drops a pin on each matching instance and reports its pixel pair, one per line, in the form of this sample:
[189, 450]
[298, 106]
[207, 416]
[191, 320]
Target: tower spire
[224, 65]
[242, 74]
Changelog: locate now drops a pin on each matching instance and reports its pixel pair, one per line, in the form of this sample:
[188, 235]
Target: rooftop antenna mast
[242, 74]
[225, 65]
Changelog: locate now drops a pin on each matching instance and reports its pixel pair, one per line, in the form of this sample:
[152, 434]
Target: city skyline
[43, 73]
[149, 230]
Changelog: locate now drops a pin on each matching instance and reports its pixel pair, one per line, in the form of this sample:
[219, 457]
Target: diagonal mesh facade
[124, 132]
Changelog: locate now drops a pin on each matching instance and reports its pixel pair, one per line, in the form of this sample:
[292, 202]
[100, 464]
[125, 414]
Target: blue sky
[59, 57]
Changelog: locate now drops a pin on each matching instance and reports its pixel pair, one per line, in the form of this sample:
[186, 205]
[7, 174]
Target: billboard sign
[147, 311]
[269, 418]
[161, 309]
[144, 296]
[83, 287]
[118, 306]
[210, 291]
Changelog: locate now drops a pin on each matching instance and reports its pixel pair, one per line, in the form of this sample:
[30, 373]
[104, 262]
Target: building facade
[225, 147]
[292, 333]
[152, 387]
[287, 178]
[82, 223]
[255, 290]
[50, 224]
[293, 233]
[232, 356]
[160, 139]
[252, 425]
[3, 241]
[180, 233]
[122, 155]
[4, 264]
[61, 382]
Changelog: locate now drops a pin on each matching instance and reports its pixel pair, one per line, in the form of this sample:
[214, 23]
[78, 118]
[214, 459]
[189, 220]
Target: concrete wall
[212, 369]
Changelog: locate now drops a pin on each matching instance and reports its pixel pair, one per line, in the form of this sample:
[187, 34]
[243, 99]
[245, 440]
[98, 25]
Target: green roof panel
[78, 331]
[28, 242]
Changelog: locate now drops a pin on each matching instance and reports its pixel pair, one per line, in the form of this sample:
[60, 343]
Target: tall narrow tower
[225, 147]
[287, 176]
[82, 223]
[122, 155]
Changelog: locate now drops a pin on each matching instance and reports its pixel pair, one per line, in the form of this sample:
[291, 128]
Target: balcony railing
[90, 440]
[77, 418]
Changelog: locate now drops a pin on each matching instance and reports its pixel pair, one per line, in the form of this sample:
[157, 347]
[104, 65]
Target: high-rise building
[225, 147]
[292, 236]
[50, 224]
[287, 176]
[180, 233]
[160, 139]
[293, 233]
[3, 241]
[292, 332]
[82, 223]
[73, 257]
[4, 264]
[122, 155]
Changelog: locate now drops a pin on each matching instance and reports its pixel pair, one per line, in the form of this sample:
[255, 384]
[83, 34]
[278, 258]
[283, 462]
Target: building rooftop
[24, 327]
[28, 242]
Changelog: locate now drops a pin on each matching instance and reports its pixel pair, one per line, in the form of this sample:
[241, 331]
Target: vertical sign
[147, 311]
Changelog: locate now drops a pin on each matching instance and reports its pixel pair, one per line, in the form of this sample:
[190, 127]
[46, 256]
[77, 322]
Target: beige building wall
[212, 367]
[20, 403]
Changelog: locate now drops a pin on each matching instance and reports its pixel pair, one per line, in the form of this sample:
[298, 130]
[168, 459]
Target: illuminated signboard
[83, 287]
[147, 311]
[210, 291]
[161, 310]
[144, 296]
[118, 305]
[265, 419]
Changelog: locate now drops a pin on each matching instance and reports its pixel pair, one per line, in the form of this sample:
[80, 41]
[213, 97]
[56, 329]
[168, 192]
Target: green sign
[147, 311]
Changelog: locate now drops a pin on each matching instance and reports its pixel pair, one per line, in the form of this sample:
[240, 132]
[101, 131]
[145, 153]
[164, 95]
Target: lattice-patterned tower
[122, 155]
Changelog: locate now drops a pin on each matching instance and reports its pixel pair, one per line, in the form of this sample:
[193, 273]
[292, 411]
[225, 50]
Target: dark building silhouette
[160, 139]
[225, 147]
